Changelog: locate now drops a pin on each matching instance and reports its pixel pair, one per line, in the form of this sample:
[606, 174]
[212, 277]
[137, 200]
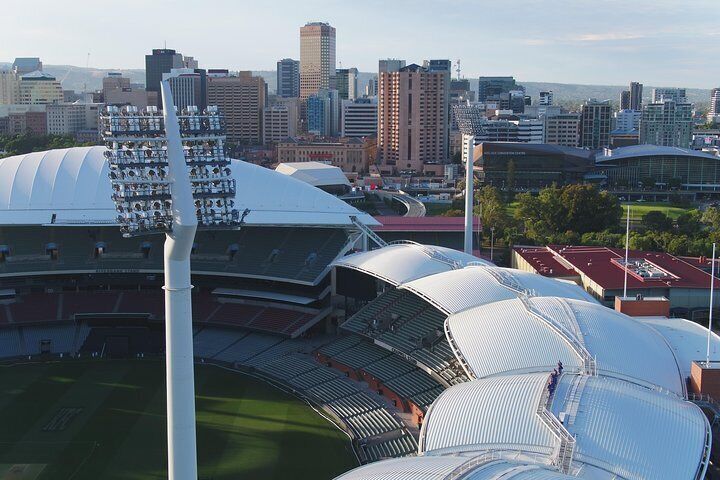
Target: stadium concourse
[469, 370]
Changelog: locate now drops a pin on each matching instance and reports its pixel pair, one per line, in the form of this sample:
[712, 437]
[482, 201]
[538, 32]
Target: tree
[567, 212]
[648, 182]
[711, 217]
[689, 223]
[657, 220]
[674, 183]
[510, 180]
[492, 209]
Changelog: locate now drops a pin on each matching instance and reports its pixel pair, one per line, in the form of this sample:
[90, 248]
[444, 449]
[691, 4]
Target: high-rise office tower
[714, 114]
[358, 117]
[37, 88]
[162, 60]
[625, 100]
[489, 87]
[678, 95]
[595, 119]
[636, 95]
[241, 99]
[323, 113]
[288, 78]
[188, 87]
[667, 123]
[413, 119]
[9, 87]
[546, 98]
[346, 83]
[371, 89]
[317, 58]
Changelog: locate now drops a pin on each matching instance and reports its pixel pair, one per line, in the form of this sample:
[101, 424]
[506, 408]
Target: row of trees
[583, 215]
[21, 144]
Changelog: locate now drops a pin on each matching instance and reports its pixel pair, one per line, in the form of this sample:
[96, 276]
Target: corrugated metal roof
[505, 337]
[485, 414]
[687, 339]
[402, 263]
[456, 290]
[634, 432]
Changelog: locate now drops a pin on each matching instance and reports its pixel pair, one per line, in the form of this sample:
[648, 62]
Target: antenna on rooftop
[627, 248]
[712, 292]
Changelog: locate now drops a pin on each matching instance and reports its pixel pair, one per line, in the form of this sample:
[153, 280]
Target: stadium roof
[516, 336]
[317, 174]
[687, 339]
[73, 184]
[634, 151]
[621, 430]
[455, 290]
[398, 263]
[442, 468]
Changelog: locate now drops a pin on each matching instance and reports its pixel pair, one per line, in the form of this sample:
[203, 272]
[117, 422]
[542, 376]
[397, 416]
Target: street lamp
[169, 174]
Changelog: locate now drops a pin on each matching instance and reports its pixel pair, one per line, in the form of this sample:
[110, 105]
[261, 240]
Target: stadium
[319, 348]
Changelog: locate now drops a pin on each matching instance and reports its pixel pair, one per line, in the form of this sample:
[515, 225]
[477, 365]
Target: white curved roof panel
[515, 336]
[73, 184]
[456, 290]
[441, 467]
[403, 262]
[622, 430]
[316, 174]
[686, 338]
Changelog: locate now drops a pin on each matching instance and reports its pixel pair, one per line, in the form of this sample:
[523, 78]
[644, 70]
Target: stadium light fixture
[169, 174]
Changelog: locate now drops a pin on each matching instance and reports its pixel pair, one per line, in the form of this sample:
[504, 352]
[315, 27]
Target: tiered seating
[396, 447]
[288, 253]
[209, 342]
[237, 314]
[35, 307]
[10, 344]
[372, 423]
[248, 347]
[4, 319]
[87, 302]
[400, 376]
[413, 326]
[62, 338]
[277, 351]
[276, 320]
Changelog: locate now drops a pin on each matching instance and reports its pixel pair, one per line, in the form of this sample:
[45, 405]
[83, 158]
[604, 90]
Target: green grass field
[106, 419]
[639, 209]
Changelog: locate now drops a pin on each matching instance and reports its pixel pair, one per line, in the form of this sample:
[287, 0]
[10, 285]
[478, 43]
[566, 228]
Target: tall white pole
[712, 291]
[627, 248]
[182, 450]
[469, 191]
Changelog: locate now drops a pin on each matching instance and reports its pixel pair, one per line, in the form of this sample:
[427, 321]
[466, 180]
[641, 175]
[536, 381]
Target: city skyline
[567, 42]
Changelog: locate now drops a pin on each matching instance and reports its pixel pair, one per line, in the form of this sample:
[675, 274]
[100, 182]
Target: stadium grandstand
[465, 369]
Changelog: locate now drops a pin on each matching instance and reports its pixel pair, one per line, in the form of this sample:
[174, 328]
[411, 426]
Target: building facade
[288, 78]
[625, 100]
[546, 98]
[562, 129]
[350, 155]
[346, 83]
[636, 93]
[317, 58]
[9, 88]
[678, 95]
[280, 121]
[714, 113]
[413, 118]
[38, 88]
[241, 99]
[595, 119]
[188, 87]
[72, 118]
[162, 60]
[358, 117]
[323, 113]
[667, 123]
[490, 87]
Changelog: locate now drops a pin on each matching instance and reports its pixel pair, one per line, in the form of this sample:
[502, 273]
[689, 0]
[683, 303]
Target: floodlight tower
[169, 174]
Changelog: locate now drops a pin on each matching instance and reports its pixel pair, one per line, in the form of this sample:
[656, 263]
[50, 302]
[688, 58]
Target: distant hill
[80, 78]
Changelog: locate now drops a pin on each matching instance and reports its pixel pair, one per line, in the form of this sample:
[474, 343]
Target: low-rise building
[350, 154]
[280, 120]
[601, 272]
[562, 129]
[71, 118]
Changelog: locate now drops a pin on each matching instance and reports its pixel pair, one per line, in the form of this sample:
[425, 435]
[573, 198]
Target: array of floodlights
[137, 154]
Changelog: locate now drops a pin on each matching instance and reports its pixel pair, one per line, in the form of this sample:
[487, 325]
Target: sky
[601, 42]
